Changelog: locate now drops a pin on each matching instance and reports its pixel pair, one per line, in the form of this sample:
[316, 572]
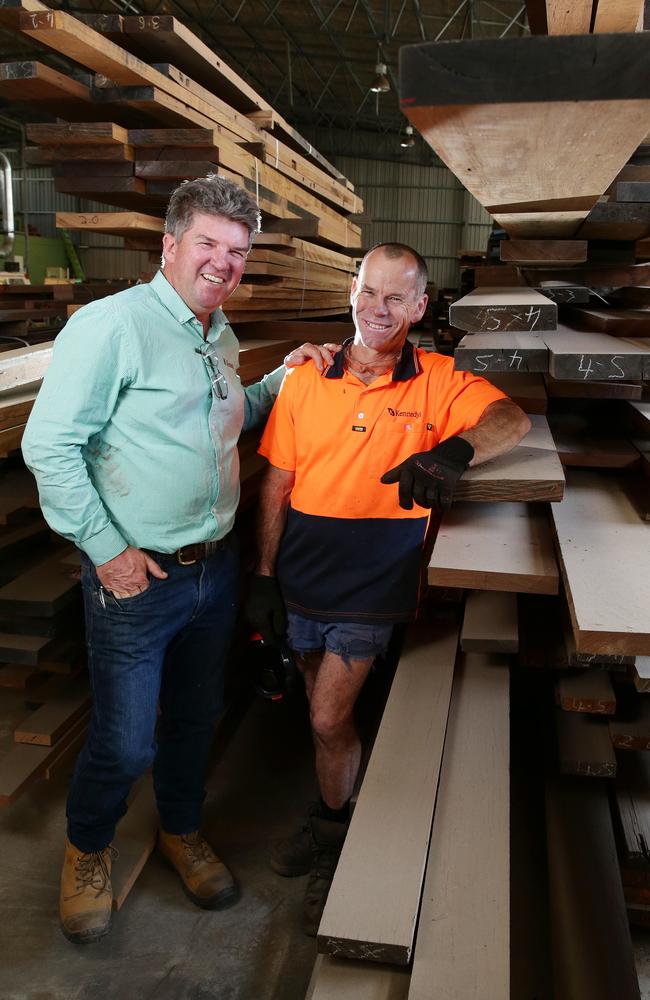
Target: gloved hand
[429, 477]
[265, 608]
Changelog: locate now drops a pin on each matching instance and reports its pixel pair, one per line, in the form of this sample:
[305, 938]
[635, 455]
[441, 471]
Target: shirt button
[360, 416]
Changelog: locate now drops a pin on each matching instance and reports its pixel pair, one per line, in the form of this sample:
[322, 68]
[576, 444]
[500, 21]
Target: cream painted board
[499, 546]
[462, 950]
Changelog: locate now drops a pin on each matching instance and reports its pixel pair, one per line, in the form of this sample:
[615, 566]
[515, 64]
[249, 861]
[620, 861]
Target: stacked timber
[139, 124]
[560, 324]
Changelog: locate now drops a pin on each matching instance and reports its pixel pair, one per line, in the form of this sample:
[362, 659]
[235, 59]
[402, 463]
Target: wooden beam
[116, 223]
[463, 943]
[568, 19]
[528, 391]
[605, 563]
[618, 15]
[547, 252]
[24, 366]
[346, 979]
[503, 310]
[584, 745]
[501, 352]
[633, 731]
[48, 724]
[135, 840]
[484, 134]
[532, 471]
[576, 354]
[587, 691]
[23, 765]
[504, 546]
[592, 950]
[405, 766]
[490, 623]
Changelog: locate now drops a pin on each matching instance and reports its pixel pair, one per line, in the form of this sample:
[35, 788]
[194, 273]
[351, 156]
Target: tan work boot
[206, 880]
[86, 898]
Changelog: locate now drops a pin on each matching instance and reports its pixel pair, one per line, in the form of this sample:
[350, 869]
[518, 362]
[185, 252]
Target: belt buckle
[184, 562]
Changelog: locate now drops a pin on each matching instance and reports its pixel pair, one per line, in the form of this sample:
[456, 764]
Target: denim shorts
[349, 640]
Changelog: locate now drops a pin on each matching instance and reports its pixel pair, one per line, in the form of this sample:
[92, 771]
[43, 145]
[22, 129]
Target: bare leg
[338, 749]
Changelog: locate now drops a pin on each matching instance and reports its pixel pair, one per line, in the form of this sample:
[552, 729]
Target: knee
[125, 762]
[326, 726]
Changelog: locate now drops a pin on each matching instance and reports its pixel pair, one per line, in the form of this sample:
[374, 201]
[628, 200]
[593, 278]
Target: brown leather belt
[187, 555]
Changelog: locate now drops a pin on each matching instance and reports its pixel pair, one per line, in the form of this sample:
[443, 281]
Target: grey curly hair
[211, 195]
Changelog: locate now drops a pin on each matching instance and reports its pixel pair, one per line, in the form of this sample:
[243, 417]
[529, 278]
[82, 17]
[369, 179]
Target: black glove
[265, 608]
[429, 477]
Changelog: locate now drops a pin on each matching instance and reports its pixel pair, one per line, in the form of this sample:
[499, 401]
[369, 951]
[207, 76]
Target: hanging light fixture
[408, 138]
[381, 83]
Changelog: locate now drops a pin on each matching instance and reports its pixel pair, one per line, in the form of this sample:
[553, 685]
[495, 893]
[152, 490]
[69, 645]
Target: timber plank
[469, 127]
[405, 765]
[24, 365]
[587, 691]
[593, 955]
[632, 798]
[641, 675]
[575, 354]
[503, 546]
[497, 352]
[463, 942]
[605, 561]
[25, 649]
[44, 589]
[116, 223]
[502, 310]
[490, 623]
[527, 390]
[618, 15]
[17, 491]
[531, 471]
[584, 745]
[548, 252]
[25, 764]
[615, 322]
[633, 732]
[568, 19]
[568, 389]
[48, 724]
[86, 134]
[33, 81]
[347, 979]
[18, 538]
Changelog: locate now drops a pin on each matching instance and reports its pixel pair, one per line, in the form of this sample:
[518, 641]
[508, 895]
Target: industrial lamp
[381, 83]
[408, 139]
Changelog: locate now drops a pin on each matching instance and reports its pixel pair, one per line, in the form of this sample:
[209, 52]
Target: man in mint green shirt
[133, 442]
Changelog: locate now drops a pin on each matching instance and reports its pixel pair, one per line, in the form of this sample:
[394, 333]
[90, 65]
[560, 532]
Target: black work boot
[292, 855]
[327, 837]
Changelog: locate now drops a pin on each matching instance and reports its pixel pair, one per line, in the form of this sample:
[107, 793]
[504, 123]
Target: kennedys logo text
[403, 413]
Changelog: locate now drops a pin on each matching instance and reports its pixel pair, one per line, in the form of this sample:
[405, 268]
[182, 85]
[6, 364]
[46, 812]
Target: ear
[419, 309]
[169, 247]
[353, 289]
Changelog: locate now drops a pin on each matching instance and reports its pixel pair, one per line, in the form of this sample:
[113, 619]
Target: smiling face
[206, 264]
[386, 301]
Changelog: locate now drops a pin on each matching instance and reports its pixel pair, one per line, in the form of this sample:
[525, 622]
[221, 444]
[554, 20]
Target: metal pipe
[7, 196]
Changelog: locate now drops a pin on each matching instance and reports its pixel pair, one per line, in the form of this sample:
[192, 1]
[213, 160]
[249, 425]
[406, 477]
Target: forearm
[275, 494]
[260, 397]
[501, 427]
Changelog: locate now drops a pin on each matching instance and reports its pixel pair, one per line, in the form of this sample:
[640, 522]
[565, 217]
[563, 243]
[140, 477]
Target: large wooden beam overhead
[554, 120]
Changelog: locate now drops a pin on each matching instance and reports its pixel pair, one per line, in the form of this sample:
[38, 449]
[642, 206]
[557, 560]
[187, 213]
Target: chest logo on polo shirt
[404, 413]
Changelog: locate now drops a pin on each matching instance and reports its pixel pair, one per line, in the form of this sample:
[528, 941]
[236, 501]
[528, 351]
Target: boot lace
[92, 872]
[197, 850]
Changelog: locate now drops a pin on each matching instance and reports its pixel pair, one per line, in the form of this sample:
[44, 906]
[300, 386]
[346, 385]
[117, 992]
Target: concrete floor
[160, 945]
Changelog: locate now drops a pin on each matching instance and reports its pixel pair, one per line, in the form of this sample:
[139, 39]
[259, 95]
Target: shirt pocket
[393, 443]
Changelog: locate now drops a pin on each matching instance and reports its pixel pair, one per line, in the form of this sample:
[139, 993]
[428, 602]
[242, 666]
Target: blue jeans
[349, 640]
[166, 646]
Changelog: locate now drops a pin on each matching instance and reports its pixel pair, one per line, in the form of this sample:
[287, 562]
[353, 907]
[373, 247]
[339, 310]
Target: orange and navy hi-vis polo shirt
[349, 551]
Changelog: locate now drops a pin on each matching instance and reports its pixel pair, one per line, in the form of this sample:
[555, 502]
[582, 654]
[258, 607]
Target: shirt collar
[178, 307]
[407, 367]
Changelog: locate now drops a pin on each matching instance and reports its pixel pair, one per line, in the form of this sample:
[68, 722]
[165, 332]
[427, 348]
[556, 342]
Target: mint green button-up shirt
[128, 441]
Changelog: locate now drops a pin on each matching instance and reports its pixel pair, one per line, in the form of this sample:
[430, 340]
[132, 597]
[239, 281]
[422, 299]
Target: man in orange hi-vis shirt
[359, 454]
